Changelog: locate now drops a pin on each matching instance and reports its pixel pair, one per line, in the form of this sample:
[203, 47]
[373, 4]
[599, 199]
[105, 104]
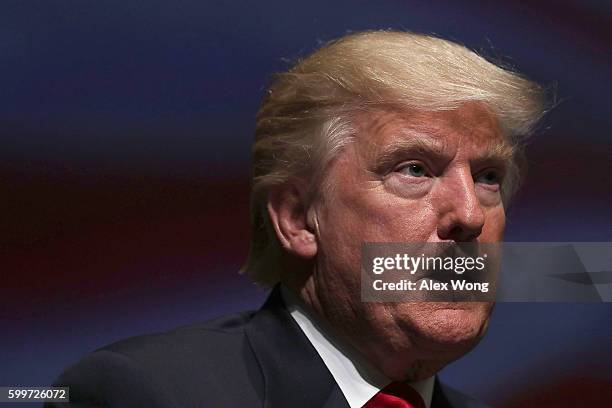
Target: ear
[289, 216]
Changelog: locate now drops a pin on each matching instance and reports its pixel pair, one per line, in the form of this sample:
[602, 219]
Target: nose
[461, 214]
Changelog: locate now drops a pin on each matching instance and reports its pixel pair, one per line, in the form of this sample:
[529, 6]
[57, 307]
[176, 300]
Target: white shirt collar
[358, 380]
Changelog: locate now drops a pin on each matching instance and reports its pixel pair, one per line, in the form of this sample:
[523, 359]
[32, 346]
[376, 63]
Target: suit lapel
[439, 398]
[293, 372]
[336, 399]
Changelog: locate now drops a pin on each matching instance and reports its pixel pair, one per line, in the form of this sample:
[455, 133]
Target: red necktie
[396, 395]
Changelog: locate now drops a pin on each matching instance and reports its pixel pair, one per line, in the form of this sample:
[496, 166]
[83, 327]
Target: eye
[490, 177]
[413, 169]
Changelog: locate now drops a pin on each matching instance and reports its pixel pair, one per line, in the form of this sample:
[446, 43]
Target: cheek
[410, 220]
[377, 216]
[495, 224]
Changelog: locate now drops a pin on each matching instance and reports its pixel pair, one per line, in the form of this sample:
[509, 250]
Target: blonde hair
[305, 117]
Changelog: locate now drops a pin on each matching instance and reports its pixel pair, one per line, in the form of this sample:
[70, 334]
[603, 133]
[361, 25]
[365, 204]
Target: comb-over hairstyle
[306, 115]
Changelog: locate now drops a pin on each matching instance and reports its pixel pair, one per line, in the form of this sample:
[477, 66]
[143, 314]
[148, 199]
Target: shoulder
[184, 343]
[175, 368]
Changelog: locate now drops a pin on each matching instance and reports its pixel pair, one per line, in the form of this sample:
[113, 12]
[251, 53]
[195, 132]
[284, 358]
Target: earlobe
[290, 220]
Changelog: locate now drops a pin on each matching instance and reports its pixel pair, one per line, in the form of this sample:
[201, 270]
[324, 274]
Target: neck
[402, 364]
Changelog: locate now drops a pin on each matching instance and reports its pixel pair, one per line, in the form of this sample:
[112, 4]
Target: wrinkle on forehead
[440, 131]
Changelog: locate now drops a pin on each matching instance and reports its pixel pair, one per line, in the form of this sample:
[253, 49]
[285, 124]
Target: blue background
[125, 129]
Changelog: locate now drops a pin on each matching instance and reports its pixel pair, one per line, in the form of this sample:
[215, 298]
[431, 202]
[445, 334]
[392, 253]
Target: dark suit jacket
[253, 359]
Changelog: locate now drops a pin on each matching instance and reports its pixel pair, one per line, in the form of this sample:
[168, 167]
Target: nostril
[461, 234]
[456, 231]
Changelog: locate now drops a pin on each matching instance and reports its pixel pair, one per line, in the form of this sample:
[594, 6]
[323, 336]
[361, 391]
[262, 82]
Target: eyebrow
[387, 155]
[500, 153]
[496, 152]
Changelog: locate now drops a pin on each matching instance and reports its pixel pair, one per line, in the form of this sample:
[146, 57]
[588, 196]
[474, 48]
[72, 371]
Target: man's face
[409, 177]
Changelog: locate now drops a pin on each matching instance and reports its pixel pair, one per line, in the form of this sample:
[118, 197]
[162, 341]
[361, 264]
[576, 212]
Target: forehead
[471, 124]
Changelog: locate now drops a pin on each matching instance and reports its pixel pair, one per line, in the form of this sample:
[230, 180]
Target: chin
[453, 328]
[422, 337]
[429, 345]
